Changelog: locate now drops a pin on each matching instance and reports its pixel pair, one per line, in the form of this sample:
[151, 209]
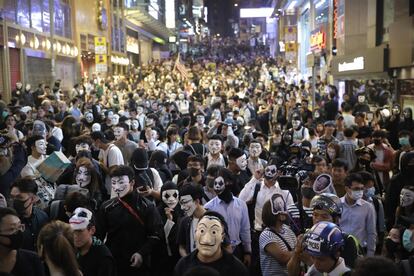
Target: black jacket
[125, 233]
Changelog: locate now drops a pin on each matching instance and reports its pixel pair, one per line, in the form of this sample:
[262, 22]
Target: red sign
[317, 40]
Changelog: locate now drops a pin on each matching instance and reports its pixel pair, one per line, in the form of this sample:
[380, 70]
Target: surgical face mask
[96, 127]
[83, 177]
[214, 146]
[118, 133]
[41, 146]
[242, 162]
[187, 205]
[82, 146]
[121, 185]
[255, 149]
[355, 195]
[219, 185]
[89, 118]
[406, 197]
[170, 198]
[370, 192]
[134, 124]
[404, 141]
[295, 124]
[406, 240]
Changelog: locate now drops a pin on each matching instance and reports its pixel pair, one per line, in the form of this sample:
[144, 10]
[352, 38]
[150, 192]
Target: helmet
[323, 239]
[327, 202]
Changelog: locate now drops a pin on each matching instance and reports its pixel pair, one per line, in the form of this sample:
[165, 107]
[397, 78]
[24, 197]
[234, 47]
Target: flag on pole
[180, 67]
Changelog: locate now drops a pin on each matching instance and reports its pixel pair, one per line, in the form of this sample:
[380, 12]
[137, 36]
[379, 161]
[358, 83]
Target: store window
[388, 18]
[321, 12]
[23, 13]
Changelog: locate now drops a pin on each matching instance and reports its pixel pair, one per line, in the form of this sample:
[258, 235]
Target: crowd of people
[213, 164]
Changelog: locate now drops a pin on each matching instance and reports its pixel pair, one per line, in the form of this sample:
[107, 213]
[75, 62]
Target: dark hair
[123, 125]
[196, 158]
[375, 266]
[268, 218]
[26, 185]
[56, 237]
[348, 132]
[123, 170]
[201, 270]
[340, 163]
[213, 170]
[7, 212]
[318, 158]
[74, 200]
[195, 191]
[30, 142]
[99, 135]
[255, 141]
[216, 137]
[366, 176]
[379, 134]
[83, 139]
[353, 177]
[194, 134]
[235, 153]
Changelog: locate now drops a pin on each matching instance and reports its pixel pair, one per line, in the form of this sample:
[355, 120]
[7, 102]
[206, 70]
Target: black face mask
[391, 246]
[377, 142]
[18, 205]
[364, 162]
[210, 182]
[193, 172]
[226, 195]
[16, 240]
[307, 192]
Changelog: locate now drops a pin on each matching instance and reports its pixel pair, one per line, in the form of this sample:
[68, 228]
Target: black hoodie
[392, 197]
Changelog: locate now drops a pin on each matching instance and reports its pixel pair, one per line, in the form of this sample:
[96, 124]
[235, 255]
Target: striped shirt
[294, 216]
[269, 265]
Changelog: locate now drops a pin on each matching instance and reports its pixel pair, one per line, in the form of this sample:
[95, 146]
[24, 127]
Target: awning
[139, 16]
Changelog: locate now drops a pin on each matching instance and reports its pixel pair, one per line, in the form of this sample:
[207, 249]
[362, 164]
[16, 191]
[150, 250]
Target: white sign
[101, 68]
[170, 14]
[256, 12]
[356, 64]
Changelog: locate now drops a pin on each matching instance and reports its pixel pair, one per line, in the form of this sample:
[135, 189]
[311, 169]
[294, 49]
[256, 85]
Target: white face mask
[187, 205]
[118, 133]
[170, 198]
[82, 146]
[121, 185]
[89, 117]
[255, 149]
[361, 99]
[96, 127]
[115, 120]
[134, 124]
[208, 236]
[355, 195]
[242, 162]
[28, 87]
[200, 120]
[219, 185]
[41, 146]
[214, 146]
[406, 197]
[83, 177]
[181, 96]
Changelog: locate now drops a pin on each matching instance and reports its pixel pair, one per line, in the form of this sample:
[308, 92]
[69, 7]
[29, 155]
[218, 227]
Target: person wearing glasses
[14, 260]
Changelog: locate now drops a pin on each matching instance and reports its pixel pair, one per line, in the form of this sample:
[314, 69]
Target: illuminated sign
[318, 41]
[253, 13]
[356, 64]
[100, 45]
[172, 39]
[132, 45]
[335, 20]
[170, 14]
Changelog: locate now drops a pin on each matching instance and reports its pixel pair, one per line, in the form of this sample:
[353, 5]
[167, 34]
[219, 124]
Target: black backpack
[60, 194]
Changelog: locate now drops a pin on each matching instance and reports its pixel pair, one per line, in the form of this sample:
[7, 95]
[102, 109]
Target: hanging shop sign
[356, 64]
[100, 45]
[132, 45]
[317, 40]
[101, 63]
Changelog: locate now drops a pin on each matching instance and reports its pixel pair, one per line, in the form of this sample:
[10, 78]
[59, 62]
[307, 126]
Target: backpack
[60, 194]
[251, 204]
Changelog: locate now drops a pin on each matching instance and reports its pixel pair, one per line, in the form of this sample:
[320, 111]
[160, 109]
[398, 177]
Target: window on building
[36, 15]
[10, 10]
[321, 12]
[23, 13]
[387, 19]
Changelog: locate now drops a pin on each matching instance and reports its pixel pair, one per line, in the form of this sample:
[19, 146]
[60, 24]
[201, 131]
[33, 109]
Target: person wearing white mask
[135, 133]
[214, 156]
[46, 190]
[356, 209]
[183, 104]
[126, 146]
[254, 163]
